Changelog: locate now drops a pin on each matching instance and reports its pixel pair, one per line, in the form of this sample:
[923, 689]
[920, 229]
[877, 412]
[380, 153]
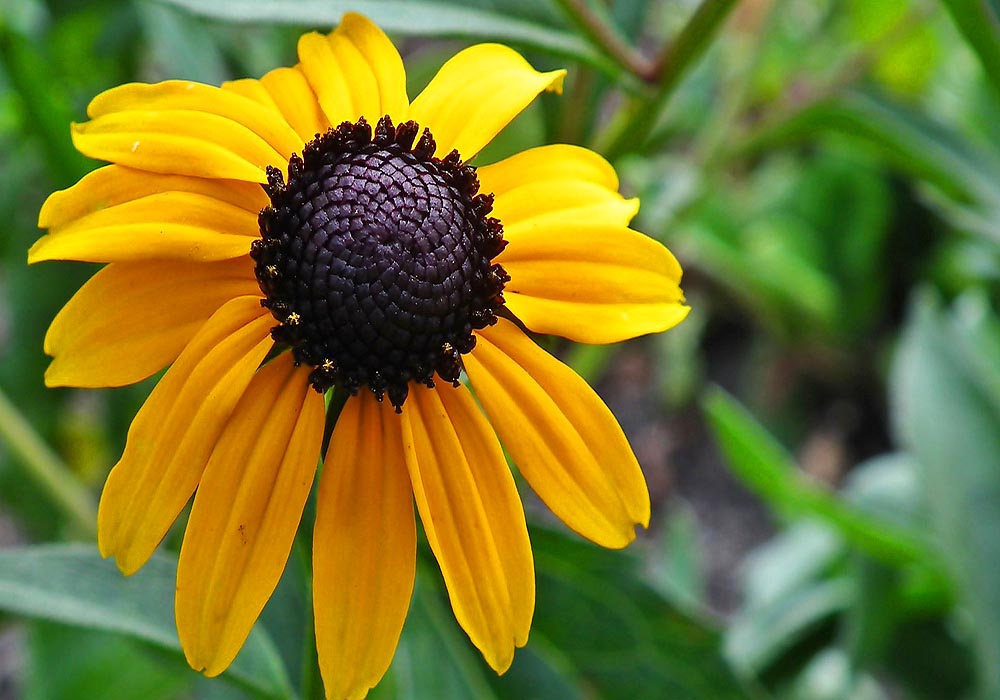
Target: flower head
[270, 240]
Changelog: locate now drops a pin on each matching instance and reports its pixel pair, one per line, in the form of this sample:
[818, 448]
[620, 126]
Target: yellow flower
[272, 239]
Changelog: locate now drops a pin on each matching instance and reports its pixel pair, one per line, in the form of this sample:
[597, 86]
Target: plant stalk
[46, 469]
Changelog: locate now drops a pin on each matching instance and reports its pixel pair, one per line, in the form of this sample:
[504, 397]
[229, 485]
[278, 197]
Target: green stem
[312, 680]
[46, 469]
[604, 35]
[677, 58]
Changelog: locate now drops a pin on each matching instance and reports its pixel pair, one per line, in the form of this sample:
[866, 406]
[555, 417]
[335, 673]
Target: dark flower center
[375, 259]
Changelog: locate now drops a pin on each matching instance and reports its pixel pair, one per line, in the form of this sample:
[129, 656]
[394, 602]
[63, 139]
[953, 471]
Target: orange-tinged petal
[355, 72]
[181, 95]
[472, 515]
[176, 429]
[590, 282]
[295, 98]
[476, 94]
[180, 142]
[161, 226]
[132, 320]
[246, 513]
[561, 436]
[364, 548]
[116, 184]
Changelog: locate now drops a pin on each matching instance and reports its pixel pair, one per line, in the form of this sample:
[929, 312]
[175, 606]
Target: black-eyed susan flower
[315, 230]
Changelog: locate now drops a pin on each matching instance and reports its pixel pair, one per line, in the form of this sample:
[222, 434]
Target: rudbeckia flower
[271, 240]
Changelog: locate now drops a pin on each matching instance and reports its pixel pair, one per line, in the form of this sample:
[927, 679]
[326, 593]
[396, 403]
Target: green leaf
[786, 595]
[622, 638]
[95, 664]
[965, 176]
[180, 48]
[73, 585]
[677, 571]
[757, 459]
[410, 18]
[979, 23]
[434, 658]
[949, 418]
[761, 634]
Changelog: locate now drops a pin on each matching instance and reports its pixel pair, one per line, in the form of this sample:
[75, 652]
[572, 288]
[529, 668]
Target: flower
[269, 240]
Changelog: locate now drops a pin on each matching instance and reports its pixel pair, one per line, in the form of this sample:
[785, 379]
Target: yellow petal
[161, 226]
[562, 202]
[295, 98]
[132, 320]
[364, 548]
[264, 121]
[176, 429]
[383, 60]
[545, 163]
[592, 283]
[254, 90]
[560, 183]
[246, 513]
[476, 94]
[355, 72]
[116, 184]
[180, 142]
[473, 518]
[561, 436]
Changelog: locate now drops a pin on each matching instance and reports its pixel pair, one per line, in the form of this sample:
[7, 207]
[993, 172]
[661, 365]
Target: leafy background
[821, 437]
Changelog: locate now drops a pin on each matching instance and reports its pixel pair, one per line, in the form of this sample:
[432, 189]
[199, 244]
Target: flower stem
[675, 60]
[46, 469]
[312, 681]
[604, 35]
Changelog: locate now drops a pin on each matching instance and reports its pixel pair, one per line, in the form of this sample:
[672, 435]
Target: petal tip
[354, 21]
[556, 79]
[53, 380]
[36, 251]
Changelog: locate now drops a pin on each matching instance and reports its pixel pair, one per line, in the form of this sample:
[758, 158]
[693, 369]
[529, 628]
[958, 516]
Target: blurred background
[821, 437]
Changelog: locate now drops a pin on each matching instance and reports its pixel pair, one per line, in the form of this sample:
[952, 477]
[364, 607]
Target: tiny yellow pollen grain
[293, 319]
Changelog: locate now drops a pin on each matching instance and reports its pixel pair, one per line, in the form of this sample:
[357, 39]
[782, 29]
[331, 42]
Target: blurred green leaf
[623, 640]
[47, 111]
[910, 65]
[434, 658]
[180, 47]
[67, 663]
[965, 175]
[788, 595]
[930, 660]
[979, 23]
[946, 408]
[831, 676]
[413, 18]
[760, 634]
[73, 585]
[676, 571]
[762, 464]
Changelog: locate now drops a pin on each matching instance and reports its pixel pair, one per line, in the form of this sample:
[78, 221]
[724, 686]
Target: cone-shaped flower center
[375, 259]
